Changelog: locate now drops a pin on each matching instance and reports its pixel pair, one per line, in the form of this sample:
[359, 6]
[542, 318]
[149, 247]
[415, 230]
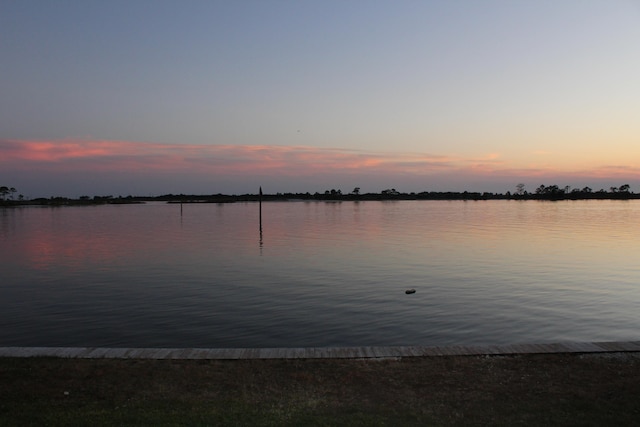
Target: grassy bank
[473, 390]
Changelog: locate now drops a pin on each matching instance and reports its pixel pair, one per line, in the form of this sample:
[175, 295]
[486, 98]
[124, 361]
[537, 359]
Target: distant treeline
[543, 192]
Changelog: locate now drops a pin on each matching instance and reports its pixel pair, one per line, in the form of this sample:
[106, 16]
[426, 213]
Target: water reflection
[77, 236]
[331, 274]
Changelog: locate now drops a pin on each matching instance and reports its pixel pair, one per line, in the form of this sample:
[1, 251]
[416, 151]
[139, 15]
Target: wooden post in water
[260, 215]
[260, 209]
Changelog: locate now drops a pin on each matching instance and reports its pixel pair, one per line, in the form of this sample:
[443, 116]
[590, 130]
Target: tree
[520, 189]
[356, 191]
[551, 190]
[554, 189]
[624, 188]
[4, 191]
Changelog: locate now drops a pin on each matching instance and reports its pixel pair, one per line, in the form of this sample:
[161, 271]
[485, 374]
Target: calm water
[321, 274]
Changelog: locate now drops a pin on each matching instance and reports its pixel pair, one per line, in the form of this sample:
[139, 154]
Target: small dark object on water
[410, 291]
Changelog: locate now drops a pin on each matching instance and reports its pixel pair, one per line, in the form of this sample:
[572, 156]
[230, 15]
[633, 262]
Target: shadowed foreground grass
[473, 390]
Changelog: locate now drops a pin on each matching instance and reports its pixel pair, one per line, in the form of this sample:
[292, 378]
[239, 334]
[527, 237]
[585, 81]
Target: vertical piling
[260, 208]
[260, 215]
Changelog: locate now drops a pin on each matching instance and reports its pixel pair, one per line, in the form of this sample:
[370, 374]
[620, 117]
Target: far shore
[329, 196]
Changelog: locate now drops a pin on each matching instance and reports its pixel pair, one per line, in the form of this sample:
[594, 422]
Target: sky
[150, 97]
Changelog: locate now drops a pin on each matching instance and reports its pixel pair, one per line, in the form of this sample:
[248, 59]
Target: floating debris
[410, 291]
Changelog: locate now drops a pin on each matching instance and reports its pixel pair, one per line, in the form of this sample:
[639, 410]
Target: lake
[320, 274]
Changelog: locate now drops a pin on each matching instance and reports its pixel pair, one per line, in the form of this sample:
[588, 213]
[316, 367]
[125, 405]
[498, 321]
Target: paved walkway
[316, 352]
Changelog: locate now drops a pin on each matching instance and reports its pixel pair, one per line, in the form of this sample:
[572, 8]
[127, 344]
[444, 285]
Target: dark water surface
[323, 274]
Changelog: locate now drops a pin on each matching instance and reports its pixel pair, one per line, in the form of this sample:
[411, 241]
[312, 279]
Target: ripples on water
[321, 274]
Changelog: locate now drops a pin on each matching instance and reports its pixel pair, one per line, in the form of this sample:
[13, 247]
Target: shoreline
[366, 352]
[555, 196]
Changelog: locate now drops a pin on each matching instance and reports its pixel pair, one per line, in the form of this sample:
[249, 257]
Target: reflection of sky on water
[326, 273]
[81, 235]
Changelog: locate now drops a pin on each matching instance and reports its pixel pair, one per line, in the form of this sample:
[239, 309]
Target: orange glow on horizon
[233, 160]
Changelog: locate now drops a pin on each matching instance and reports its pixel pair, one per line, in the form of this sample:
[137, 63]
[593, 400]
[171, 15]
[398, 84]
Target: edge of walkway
[318, 352]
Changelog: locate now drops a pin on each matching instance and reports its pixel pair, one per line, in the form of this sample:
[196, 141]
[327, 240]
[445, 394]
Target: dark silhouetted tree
[5, 191]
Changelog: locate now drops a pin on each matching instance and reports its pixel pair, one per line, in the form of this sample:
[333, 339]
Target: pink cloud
[174, 167]
[616, 171]
[216, 159]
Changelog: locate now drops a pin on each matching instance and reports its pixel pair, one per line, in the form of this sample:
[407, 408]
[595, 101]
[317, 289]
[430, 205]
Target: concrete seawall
[316, 352]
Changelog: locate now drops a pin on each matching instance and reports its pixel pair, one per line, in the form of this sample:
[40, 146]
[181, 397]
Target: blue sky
[150, 97]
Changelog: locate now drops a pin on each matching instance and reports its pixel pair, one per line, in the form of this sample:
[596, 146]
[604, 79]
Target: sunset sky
[148, 97]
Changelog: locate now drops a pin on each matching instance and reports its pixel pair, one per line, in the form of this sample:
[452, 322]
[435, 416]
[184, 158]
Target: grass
[472, 390]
